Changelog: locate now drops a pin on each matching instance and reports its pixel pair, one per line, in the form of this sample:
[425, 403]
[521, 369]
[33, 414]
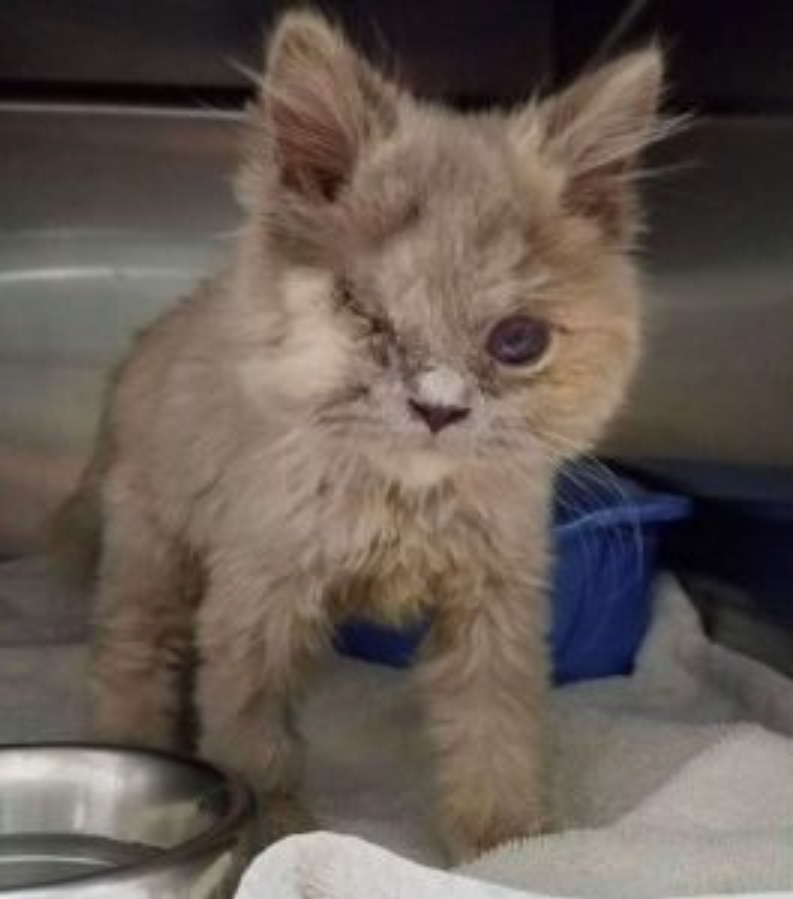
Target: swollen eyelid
[377, 324]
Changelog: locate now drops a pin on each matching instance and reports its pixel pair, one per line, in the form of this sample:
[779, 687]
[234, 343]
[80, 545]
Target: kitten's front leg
[484, 677]
[256, 635]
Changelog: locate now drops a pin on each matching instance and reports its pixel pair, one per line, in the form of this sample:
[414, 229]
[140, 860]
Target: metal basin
[97, 822]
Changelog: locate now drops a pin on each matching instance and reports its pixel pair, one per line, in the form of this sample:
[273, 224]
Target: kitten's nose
[439, 417]
[441, 396]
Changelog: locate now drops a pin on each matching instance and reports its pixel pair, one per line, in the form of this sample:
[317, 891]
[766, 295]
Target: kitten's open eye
[519, 340]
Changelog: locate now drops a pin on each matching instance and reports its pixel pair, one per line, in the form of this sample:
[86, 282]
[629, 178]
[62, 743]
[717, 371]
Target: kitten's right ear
[321, 103]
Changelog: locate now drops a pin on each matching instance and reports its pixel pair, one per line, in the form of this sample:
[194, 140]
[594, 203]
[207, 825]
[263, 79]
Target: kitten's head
[449, 286]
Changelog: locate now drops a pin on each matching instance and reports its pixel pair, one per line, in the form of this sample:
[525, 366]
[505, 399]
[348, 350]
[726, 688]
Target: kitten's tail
[73, 533]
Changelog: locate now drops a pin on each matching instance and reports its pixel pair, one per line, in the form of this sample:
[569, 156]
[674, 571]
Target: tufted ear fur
[322, 104]
[595, 131]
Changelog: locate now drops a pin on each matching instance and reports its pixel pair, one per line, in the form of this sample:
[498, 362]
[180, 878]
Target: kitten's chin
[415, 469]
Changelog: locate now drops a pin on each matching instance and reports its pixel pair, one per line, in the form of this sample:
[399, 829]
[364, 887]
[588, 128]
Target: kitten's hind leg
[143, 629]
[256, 636]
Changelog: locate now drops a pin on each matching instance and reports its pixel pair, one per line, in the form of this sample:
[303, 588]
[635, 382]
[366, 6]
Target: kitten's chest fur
[397, 549]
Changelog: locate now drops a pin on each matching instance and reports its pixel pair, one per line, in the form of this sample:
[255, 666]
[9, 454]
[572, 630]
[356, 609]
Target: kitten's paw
[465, 839]
[283, 815]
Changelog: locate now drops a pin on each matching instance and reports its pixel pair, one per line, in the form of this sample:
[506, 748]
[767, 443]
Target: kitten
[426, 314]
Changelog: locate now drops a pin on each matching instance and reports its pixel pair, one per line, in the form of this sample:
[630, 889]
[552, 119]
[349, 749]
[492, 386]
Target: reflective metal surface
[109, 215]
[89, 822]
[107, 218]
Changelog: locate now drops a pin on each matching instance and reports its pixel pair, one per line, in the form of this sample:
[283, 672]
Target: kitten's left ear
[321, 104]
[596, 129]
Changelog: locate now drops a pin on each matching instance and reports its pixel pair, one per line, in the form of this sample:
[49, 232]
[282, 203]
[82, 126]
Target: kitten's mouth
[401, 429]
[417, 467]
[414, 443]
[448, 444]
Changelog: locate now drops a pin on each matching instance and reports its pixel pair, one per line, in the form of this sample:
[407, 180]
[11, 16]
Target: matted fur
[262, 474]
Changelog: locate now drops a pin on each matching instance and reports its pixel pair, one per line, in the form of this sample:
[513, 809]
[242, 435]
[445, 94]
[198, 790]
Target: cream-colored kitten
[426, 314]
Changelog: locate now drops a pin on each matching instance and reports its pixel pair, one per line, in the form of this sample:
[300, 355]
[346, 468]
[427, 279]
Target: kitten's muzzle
[438, 417]
[440, 397]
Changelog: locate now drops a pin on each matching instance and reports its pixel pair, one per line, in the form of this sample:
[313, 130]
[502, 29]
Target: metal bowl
[91, 821]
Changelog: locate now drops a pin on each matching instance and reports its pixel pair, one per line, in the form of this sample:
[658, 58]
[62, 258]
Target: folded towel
[329, 866]
[724, 822]
[676, 781]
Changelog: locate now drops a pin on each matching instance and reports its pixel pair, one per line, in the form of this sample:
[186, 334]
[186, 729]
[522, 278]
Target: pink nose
[438, 417]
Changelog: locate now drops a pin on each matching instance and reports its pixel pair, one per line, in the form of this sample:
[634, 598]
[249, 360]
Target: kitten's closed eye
[520, 340]
[348, 300]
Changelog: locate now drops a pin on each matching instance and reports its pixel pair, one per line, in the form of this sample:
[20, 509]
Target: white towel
[327, 866]
[676, 781]
[724, 822]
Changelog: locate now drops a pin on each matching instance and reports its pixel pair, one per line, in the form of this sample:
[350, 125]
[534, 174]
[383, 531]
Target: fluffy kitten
[426, 314]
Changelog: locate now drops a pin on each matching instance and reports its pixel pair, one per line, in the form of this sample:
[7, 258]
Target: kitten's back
[73, 533]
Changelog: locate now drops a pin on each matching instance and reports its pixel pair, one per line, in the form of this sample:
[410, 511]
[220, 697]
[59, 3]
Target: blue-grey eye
[519, 340]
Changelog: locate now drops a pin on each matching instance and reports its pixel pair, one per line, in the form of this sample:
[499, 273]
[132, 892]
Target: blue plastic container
[606, 535]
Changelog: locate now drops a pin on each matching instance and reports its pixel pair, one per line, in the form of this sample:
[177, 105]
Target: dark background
[726, 56]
